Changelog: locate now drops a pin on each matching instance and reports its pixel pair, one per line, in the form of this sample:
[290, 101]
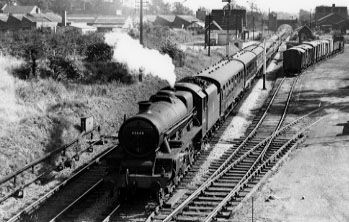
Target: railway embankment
[312, 185]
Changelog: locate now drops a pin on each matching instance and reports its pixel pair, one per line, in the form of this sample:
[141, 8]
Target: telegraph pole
[209, 34]
[269, 21]
[310, 19]
[262, 25]
[236, 23]
[252, 22]
[252, 209]
[264, 64]
[141, 22]
[227, 49]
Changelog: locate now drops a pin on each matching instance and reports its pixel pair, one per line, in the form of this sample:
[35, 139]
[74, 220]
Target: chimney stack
[64, 18]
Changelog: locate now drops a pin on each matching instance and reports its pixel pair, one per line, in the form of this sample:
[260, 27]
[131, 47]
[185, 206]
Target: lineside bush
[174, 52]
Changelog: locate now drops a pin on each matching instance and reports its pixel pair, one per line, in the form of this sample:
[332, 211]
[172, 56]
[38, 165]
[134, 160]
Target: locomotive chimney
[143, 106]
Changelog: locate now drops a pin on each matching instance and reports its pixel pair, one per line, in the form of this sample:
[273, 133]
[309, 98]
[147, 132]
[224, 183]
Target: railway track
[229, 179]
[264, 121]
[230, 176]
[51, 205]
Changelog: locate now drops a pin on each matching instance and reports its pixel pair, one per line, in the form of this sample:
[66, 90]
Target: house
[83, 28]
[237, 19]
[322, 11]
[183, 21]
[16, 17]
[302, 33]
[39, 21]
[102, 23]
[332, 21]
[27, 21]
[164, 20]
[201, 14]
[196, 26]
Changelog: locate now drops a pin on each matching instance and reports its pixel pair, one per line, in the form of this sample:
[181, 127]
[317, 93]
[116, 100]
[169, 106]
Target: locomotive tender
[300, 57]
[159, 143]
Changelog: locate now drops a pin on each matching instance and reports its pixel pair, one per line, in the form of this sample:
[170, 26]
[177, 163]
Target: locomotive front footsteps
[159, 144]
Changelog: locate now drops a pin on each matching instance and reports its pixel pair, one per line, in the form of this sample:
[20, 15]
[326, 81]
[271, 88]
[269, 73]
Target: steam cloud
[8, 101]
[130, 52]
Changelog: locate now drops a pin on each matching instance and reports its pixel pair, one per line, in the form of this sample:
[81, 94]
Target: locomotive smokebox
[143, 106]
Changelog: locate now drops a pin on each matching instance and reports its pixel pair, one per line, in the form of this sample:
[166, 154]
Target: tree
[159, 7]
[180, 9]
[304, 16]
[99, 52]
[59, 6]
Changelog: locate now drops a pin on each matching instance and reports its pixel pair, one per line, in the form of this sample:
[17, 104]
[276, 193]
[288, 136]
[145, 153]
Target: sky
[291, 6]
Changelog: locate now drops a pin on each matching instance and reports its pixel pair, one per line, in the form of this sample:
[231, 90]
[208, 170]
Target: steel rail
[207, 183]
[107, 218]
[38, 177]
[45, 157]
[243, 182]
[282, 117]
[55, 218]
[82, 169]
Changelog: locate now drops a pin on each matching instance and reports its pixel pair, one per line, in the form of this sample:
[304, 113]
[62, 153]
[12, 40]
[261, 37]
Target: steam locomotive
[160, 142]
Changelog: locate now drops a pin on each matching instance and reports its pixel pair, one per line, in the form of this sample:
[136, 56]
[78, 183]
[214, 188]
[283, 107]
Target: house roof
[37, 18]
[188, 18]
[331, 18]
[83, 26]
[169, 18]
[16, 16]
[303, 27]
[16, 9]
[109, 20]
[53, 17]
[91, 19]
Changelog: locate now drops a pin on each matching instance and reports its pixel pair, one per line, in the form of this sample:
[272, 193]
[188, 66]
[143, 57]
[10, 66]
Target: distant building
[83, 28]
[304, 33]
[183, 21]
[28, 21]
[329, 18]
[27, 17]
[322, 11]
[332, 21]
[201, 14]
[272, 22]
[237, 19]
[164, 20]
[102, 23]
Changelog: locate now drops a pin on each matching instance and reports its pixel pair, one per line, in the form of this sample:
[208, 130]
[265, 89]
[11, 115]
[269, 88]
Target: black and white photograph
[174, 111]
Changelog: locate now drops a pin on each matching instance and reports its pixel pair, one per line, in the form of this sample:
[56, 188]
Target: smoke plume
[130, 52]
[8, 101]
